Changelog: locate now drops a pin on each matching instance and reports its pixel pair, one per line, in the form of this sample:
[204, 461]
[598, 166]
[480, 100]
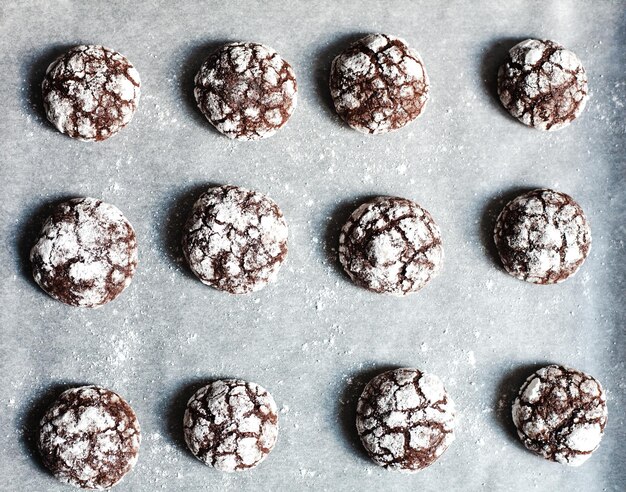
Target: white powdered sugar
[584, 437]
[235, 239]
[405, 419]
[90, 438]
[86, 253]
[560, 414]
[533, 391]
[391, 245]
[246, 90]
[91, 92]
[231, 424]
[543, 85]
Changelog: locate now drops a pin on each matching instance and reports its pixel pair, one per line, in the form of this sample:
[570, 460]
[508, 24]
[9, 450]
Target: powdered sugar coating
[91, 92]
[405, 419]
[86, 253]
[89, 438]
[542, 236]
[231, 424]
[542, 84]
[246, 90]
[235, 239]
[560, 414]
[379, 84]
[391, 245]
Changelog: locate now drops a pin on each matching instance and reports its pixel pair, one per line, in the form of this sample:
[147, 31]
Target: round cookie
[235, 239]
[86, 253]
[391, 245]
[246, 90]
[405, 419]
[542, 84]
[542, 237]
[231, 424]
[560, 414]
[379, 84]
[91, 92]
[89, 438]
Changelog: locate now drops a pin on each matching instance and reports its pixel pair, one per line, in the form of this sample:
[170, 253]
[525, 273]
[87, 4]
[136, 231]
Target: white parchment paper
[313, 339]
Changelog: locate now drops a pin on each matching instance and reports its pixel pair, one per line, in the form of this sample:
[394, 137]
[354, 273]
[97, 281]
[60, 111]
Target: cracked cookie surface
[379, 84]
[89, 438]
[391, 245]
[560, 414]
[85, 254]
[246, 90]
[542, 237]
[235, 239]
[542, 84]
[231, 424]
[91, 92]
[405, 419]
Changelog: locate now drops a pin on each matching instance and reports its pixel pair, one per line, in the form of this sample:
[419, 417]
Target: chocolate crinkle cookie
[89, 438]
[86, 253]
[91, 92]
[246, 90]
[542, 237]
[391, 245]
[405, 419]
[379, 84]
[542, 84]
[231, 424]
[560, 414]
[235, 239]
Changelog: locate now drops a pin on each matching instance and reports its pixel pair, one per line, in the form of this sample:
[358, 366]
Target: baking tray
[313, 339]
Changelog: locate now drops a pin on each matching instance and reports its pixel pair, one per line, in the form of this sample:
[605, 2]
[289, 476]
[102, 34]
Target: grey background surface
[313, 339]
